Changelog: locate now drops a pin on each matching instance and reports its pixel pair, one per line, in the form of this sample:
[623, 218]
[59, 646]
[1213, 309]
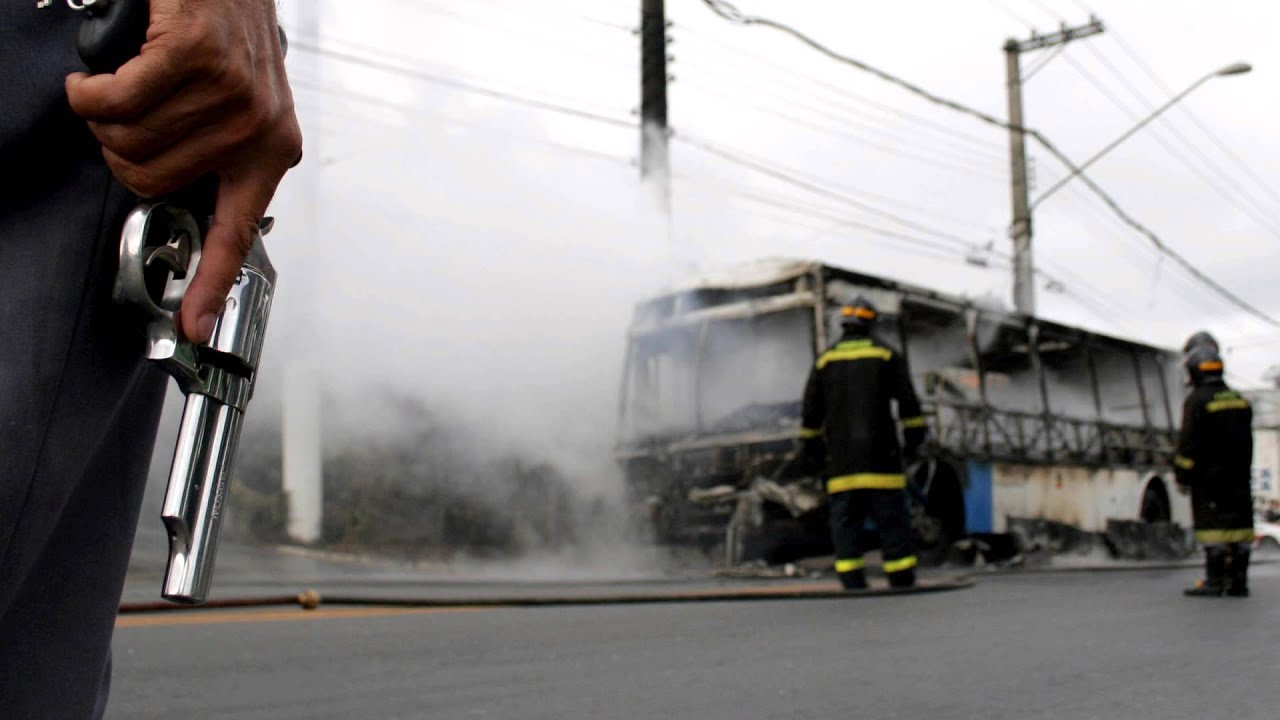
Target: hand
[207, 95]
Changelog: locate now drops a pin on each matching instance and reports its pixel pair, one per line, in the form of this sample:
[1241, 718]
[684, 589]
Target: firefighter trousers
[888, 508]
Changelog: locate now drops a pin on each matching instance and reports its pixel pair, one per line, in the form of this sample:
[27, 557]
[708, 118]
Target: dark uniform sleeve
[914, 428]
[1184, 462]
[812, 418]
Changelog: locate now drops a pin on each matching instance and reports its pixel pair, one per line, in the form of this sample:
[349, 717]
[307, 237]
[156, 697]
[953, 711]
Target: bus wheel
[942, 522]
[1155, 503]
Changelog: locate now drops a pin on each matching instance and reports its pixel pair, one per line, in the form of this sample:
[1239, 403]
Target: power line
[849, 192]
[950, 248]
[727, 11]
[844, 97]
[1009, 11]
[575, 13]
[1048, 10]
[305, 46]
[559, 44]
[911, 208]
[791, 178]
[1223, 177]
[1045, 60]
[1260, 183]
[1110, 226]
[828, 110]
[944, 164]
[445, 71]
[446, 118]
[913, 244]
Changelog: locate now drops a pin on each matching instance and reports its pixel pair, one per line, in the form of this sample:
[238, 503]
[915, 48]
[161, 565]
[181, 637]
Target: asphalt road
[1025, 646]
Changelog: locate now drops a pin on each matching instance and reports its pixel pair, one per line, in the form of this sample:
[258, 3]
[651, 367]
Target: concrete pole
[302, 471]
[1024, 288]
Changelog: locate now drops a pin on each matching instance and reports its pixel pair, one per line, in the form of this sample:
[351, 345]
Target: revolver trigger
[174, 256]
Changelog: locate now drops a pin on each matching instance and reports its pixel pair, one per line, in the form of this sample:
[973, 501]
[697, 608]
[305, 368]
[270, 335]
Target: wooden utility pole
[1020, 229]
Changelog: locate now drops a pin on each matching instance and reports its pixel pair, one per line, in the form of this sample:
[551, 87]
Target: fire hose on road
[311, 599]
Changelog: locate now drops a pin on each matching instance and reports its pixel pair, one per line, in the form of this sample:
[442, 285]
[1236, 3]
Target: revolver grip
[111, 36]
[195, 501]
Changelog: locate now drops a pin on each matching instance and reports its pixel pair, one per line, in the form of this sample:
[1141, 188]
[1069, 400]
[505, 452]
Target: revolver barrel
[196, 497]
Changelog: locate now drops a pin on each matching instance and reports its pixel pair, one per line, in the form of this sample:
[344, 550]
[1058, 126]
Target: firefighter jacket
[1215, 455]
[848, 404]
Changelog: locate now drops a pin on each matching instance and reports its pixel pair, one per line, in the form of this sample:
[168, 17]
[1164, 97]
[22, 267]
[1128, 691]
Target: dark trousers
[78, 412]
[849, 511]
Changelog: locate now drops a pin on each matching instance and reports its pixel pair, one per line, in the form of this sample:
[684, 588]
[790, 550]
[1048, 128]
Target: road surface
[1020, 645]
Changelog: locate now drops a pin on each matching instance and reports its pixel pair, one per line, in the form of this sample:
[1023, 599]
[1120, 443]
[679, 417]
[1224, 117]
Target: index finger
[132, 90]
[242, 201]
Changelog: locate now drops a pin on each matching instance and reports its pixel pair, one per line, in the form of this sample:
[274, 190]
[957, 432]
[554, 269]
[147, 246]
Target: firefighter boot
[1238, 571]
[853, 580]
[902, 578]
[1215, 570]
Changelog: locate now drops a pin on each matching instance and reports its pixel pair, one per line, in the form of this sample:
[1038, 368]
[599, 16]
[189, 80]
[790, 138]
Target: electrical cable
[558, 44]
[911, 207]
[382, 53]
[951, 247]
[793, 178]
[573, 13]
[845, 96]
[1031, 72]
[1259, 182]
[938, 163]
[727, 11]
[962, 154]
[449, 119]
[306, 46]
[1009, 11]
[1238, 192]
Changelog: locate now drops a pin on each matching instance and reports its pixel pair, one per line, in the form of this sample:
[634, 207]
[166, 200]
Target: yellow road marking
[228, 617]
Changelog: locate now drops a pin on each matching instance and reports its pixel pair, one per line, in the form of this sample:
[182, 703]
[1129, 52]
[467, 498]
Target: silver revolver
[159, 253]
[160, 249]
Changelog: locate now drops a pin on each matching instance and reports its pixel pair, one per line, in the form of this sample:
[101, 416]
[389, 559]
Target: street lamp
[1239, 68]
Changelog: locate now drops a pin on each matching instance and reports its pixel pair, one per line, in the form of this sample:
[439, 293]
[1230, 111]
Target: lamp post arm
[1172, 101]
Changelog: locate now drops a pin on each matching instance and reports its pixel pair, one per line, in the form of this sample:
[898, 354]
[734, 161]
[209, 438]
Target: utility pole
[1020, 229]
[655, 164]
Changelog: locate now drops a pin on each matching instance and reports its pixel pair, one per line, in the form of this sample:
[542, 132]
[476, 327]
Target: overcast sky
[485, 249]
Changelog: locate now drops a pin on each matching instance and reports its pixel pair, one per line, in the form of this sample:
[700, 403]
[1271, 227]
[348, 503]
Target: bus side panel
[978, 507]
[1266, 466]
[1119, 496]
[1179, 504]
[1070, 495]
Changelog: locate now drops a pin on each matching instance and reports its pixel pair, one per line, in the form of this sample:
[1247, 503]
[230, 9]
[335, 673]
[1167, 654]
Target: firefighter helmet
[1199, 339]
[861, 312]
[1203, 364]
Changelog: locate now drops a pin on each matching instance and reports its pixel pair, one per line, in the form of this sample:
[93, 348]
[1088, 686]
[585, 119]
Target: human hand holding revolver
[207, 96]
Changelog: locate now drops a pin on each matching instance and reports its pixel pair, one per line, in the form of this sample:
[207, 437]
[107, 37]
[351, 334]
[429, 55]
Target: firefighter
[849, 428]
[1215, 452]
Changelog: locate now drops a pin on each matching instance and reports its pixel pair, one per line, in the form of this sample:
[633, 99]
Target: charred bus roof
[777, 284]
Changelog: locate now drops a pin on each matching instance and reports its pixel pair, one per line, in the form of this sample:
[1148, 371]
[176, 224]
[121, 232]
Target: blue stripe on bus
[978, 505]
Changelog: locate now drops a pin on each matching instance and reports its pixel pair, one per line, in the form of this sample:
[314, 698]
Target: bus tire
[1154, 506]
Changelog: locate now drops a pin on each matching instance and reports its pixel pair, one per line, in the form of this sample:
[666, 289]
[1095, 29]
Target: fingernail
[204, 327]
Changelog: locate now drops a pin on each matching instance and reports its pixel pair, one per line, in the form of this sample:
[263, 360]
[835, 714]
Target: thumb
[241, 203]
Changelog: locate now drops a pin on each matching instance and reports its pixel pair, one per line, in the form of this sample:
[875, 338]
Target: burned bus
[1039, 431]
